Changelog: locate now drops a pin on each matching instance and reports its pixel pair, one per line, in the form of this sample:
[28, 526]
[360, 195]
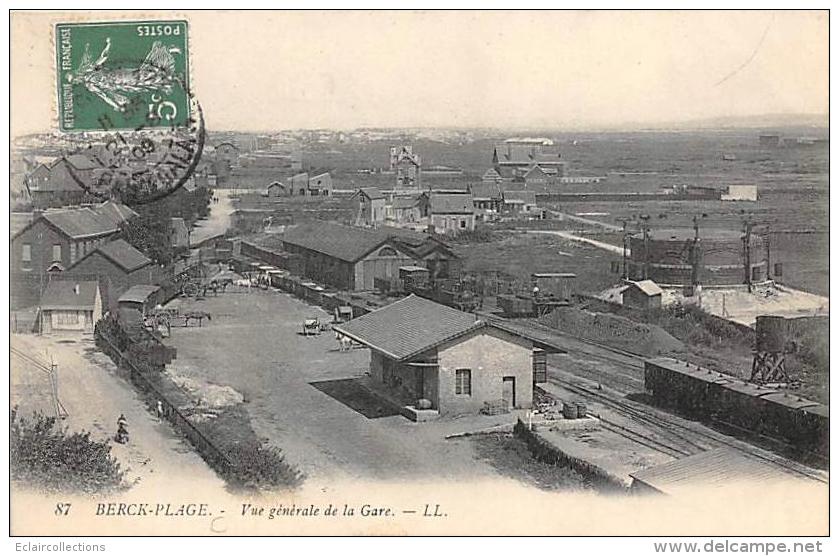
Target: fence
[171, 397]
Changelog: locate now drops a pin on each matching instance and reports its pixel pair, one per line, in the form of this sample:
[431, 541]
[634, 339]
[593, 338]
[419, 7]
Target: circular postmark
[138, 166]
[142, 131]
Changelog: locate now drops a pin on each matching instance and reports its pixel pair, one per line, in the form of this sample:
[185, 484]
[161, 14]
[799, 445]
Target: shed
[70, 306]
[644, 294]
[722, 468]
[138, 300]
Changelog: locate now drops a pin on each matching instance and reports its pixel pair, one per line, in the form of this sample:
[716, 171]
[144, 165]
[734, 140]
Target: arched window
[387, 252]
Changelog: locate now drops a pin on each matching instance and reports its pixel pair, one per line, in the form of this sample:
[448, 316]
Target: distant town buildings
[450, 213]
[407, 166]
[370, 206]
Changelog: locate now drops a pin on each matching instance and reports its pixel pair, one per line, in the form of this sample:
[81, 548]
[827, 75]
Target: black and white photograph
[419, 273]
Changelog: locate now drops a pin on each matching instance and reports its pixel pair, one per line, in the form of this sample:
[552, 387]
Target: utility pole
[694, 253]
[768, 259]
[624, 274]
[747, 252]
[646, 227]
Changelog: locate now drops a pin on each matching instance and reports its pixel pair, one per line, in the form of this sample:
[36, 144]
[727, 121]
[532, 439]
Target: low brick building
[421, 350]
[117, 266]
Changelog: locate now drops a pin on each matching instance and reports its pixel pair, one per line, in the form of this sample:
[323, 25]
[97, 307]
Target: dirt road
[253, 344]
[94, 397]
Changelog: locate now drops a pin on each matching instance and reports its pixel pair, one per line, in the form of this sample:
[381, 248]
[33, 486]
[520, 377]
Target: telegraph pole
[694, 253]
[624, 275]
[646, 227]
[747, 252]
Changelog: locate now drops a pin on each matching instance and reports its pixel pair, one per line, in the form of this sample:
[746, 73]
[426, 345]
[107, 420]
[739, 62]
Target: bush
[43, 455]
[261, 467]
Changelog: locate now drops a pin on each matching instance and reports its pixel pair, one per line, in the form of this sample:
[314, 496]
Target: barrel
[569, 410]
[770, 333]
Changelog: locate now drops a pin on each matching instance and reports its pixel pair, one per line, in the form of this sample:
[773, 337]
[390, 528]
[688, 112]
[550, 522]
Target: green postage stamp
[125, 75]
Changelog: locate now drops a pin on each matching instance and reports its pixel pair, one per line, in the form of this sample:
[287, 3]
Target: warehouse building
[352, 258]
[454, 362]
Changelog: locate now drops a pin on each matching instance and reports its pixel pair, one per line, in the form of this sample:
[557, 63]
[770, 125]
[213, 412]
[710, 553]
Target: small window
[26, 253]
[463, 223]
[72, 253]
[56, 252]
[463, 382]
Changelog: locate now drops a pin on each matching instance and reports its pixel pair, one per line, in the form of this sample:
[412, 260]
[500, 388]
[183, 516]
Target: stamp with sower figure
[122, 75]
[124, 88]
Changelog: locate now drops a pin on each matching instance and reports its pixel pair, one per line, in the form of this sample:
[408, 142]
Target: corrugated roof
[138, 294]
[79, 222]
[648, 287]
[719, 468]
[124, 255]
[452, 203]
[61, 294]
[116, 212]
[409, 327]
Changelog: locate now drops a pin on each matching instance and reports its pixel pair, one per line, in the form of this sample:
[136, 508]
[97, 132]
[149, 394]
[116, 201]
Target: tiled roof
[82, 162]
[61, 294]
[406, 202]
[371, 193]
[520, 197]
[486, 191]
[18, 221]
[123, 254]
[79, 222]
[451, 203]
[347, 243]
[116, 212]
[720, 468]
[409, 327]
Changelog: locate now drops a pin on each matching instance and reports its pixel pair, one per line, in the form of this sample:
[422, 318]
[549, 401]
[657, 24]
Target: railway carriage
[714, 396]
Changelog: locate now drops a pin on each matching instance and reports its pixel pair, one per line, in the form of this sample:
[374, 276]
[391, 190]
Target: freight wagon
[713, 396]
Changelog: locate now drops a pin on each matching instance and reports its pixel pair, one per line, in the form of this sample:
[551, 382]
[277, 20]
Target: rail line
[683, 433]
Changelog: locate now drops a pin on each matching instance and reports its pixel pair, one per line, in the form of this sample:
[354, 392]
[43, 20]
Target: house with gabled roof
[450, 213]
[435, 359]
[117, 266]
[70, 306]
[54, 240]
[369, 207]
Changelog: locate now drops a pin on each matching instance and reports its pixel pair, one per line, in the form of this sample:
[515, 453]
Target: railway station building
[453, 361]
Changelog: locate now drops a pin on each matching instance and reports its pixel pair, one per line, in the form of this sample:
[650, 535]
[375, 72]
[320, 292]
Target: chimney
[76, 289]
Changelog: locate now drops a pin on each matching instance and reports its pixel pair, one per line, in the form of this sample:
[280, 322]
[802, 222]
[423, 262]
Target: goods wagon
[710, 395]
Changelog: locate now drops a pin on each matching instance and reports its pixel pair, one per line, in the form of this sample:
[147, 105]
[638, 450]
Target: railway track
[680, 435]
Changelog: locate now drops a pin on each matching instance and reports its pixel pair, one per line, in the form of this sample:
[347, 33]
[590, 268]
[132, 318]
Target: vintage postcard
[557, 273]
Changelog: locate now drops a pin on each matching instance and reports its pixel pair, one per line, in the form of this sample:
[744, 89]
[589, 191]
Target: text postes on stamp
[130, 74]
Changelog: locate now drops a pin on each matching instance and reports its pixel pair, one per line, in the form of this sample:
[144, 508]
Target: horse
[344, 342]
[196, 315]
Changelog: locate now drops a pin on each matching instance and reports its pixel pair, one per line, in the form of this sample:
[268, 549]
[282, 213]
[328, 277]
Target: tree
[150, 233]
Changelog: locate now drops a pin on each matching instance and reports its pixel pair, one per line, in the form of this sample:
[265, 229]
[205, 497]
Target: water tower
[770, 350]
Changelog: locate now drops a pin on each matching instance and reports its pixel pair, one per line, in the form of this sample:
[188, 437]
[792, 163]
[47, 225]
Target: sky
[263, 71]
